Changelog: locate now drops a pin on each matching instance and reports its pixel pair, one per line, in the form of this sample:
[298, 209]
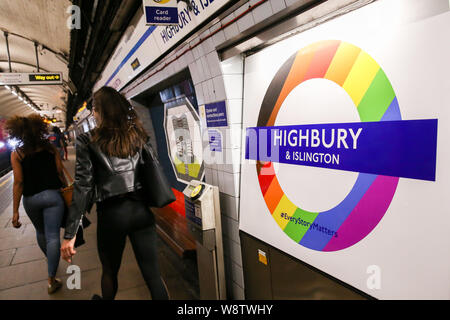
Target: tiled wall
[215, 81]
[225, 171]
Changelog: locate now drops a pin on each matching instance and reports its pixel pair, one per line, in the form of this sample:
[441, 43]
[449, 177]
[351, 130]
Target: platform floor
[23, 267]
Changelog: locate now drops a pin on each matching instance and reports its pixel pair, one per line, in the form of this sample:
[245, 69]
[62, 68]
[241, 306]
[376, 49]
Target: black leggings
[117, 219]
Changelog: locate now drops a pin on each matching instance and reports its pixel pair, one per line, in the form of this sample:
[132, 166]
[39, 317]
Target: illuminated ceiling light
[8, 87]
[14, 93]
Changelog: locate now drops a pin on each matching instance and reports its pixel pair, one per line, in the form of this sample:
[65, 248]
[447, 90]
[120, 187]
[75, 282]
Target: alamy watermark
[74, 20]
[74, 280]
[374, 280]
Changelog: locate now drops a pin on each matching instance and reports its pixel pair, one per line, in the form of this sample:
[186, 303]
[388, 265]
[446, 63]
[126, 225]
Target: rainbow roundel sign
[382, 147]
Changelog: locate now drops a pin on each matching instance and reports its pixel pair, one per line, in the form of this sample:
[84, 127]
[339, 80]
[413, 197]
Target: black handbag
[154, 182]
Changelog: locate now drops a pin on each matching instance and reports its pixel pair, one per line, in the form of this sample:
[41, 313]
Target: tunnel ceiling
[80, 54]
[27, 22]
[103, 24]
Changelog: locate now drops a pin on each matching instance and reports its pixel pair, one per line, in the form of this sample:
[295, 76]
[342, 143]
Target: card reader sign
[162, 12]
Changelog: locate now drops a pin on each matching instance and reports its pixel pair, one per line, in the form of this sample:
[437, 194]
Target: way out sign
[160, 12]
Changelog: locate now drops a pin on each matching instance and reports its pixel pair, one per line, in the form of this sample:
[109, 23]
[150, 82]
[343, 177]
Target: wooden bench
[173, 229]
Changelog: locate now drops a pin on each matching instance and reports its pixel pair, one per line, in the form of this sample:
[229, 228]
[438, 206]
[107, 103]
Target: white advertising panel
[346, 144]
[184, 140]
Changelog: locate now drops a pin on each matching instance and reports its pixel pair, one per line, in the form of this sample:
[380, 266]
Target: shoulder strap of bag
[67, 174]
[19, 154]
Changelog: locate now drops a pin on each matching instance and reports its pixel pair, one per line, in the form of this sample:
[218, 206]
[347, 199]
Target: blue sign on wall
[161, 15]
[216, 114]
[215, 140]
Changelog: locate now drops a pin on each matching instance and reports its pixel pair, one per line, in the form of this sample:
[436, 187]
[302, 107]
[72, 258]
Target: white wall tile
[290, 2]
[220, 177]
[182, 62]
[170, 70]
[206, 96]
[230, 228]
[215, 27]
[198, 50]
[208, 176]
[207, 44]
[189, 56]
[211, 94]
[246, 21]
[229, 206]
[261, 12]
[227, 19]
[201, 72]
[214, 64]
[176, 65]
[219, 88]
[210, 157]
[199, 93]
[231, 31]
[215, 178]
[231, 183]
[277, 5]
[205, 67]
[219, 37]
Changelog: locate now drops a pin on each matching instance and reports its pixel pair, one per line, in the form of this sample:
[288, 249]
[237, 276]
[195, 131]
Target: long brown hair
[30, 132]
[120, 133]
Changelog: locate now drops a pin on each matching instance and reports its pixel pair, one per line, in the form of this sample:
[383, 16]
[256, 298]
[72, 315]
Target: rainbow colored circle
[161, 1]
[368, 86]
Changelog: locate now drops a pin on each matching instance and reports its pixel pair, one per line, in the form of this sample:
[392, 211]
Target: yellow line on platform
[1, 184]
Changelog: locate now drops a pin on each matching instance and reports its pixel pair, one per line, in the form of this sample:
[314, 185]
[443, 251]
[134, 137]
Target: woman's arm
[17, 187]
[82, 196]
[83, 187]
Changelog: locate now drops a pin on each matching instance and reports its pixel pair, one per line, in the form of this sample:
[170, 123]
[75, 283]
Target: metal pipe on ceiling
[7, 50]
[37, 56]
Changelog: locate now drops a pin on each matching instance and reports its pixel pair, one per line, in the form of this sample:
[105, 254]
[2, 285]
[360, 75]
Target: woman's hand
[67, 250]
[15, 220]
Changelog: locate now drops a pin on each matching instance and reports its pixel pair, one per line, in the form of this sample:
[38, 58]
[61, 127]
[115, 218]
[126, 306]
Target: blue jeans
[45, 210]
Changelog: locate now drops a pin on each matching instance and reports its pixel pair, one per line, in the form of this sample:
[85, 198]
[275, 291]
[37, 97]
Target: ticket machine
[204, 222]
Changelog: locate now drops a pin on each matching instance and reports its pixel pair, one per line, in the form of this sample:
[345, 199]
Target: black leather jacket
[98, 177]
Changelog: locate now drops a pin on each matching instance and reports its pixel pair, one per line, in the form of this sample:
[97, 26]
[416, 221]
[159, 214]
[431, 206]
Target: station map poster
[346, 145]
[184, 141]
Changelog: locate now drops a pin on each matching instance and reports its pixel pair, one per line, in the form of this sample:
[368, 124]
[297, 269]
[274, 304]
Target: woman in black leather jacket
[106, 174]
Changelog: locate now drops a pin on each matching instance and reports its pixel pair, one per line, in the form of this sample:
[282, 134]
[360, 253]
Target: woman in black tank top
[38, 176]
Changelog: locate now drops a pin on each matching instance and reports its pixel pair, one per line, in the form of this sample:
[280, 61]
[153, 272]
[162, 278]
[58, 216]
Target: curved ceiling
[27, 22]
